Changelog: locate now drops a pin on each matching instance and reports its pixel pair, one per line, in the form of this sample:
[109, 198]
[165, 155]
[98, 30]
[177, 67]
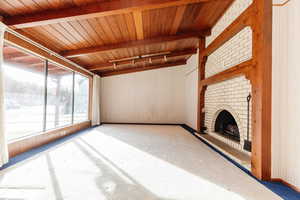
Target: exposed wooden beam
[186, 52]
[178, 18]
[36, 50]
[131, 44]
[238, 70]
[138, 20]
[139, 69]
[235, 27]
[262, 90]
[201, 89]
[105, 8]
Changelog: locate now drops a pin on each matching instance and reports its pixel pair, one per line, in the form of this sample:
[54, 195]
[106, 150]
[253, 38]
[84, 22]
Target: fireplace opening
[226, 125]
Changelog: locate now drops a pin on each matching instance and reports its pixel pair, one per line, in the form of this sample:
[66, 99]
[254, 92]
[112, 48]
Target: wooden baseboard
[28, 143]
[285, 183]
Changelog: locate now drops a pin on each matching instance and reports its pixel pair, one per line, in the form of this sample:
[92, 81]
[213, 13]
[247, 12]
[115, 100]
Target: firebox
[226, 125]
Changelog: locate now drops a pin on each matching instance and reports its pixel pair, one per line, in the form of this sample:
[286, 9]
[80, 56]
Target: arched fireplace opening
[226, 125]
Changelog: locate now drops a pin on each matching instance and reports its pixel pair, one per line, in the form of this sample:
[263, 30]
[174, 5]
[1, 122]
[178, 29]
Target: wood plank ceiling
[116, 36]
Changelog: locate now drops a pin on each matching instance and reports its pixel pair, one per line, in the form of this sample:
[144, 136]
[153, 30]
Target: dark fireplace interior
[226, 125]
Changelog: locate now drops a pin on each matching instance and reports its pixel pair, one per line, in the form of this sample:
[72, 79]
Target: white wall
[155, 96]
[286, 93]
[191, 92]
[158, 96]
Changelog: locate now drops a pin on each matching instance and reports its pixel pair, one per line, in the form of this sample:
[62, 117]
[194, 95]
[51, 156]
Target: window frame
[44, 120]
[89, 103]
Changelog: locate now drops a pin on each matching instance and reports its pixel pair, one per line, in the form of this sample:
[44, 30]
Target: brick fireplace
[230, 95]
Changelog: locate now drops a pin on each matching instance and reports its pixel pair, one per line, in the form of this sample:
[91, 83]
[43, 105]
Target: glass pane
[24, 92]
[59, 97]
[81, 98]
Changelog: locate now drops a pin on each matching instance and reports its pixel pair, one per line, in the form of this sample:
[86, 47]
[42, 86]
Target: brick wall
[237, 50]
[229, 16]
[231, 94]
[228, 95]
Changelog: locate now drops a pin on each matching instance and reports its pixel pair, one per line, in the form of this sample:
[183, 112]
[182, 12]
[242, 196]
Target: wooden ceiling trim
[105, 8]
[138, 20]
[178, 18]
[131, 44]
[187, 52]
[139, 69]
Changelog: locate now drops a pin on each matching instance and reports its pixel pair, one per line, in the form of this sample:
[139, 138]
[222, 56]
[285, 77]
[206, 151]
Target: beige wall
[286, 93]
[158, 96]
[155, 96]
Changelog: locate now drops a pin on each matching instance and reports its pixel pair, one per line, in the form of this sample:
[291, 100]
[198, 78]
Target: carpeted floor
[128, 162]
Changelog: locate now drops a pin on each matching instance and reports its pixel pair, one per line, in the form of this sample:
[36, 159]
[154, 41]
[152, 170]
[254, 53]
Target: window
[24, 92]
[39, 95]
[81, 98]
[59, 97]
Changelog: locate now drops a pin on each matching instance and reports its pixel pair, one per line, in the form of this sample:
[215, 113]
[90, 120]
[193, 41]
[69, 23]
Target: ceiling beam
[173, 54]
[105, 8]
[139, 69]
[131, 44]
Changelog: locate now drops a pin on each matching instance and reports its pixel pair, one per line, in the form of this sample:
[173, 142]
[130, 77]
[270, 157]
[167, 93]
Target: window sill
[45, 132]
